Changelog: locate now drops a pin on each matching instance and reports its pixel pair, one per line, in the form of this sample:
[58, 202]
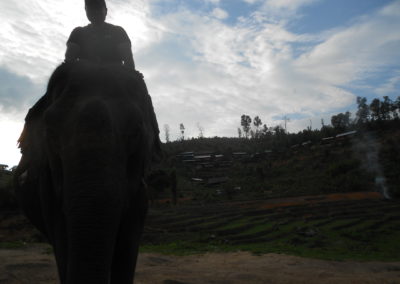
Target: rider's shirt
[99, 43]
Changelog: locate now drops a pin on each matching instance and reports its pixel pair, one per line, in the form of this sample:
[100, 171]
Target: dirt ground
[34, 265]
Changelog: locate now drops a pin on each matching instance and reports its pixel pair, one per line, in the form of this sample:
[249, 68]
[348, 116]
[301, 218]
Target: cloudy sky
[207, 62]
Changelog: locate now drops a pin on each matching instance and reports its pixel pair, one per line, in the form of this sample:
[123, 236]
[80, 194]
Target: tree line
[374, 112]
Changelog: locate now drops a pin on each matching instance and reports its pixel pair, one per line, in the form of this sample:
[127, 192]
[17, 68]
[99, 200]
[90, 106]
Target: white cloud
[251, 1]
[282, 10]
[251, 68]
[33, 35]
[135, 18]
[352, 53]
[215, 2]
[220, 14]
[288, 4]
[236, 71]
[391, 86]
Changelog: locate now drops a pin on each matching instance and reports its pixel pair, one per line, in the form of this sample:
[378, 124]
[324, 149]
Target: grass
[257, 227]
[332, 236]
[237, 224]
[284, 230]
[13, 245]
[330, 247]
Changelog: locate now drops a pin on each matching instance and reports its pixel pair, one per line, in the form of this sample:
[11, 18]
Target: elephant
[86, 151]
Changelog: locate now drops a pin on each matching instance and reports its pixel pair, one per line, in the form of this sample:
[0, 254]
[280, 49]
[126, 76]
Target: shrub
[343, 167]
[7, 195]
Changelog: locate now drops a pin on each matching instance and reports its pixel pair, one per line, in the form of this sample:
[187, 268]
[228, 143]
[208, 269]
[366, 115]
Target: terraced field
[358, 226]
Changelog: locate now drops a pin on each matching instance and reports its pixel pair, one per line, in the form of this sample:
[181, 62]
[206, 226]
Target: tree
[201, 130]
[341, 121]
[245, 123]
[166, 131]
[265, 130]
[286, 120]
[239, 132]
[386, 108]
[396, 107]
[363, 110]
[182, 128]
[257, 123]
[375, 108]
[327, 131]
[278, 130]
[252, 134]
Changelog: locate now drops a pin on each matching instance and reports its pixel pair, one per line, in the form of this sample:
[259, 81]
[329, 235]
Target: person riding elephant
[99, 43]
[87, 146]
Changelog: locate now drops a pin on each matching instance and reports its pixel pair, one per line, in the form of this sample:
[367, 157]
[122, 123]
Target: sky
[207, 62]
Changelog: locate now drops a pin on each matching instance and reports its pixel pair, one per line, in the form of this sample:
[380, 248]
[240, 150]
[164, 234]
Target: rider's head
[96, 11]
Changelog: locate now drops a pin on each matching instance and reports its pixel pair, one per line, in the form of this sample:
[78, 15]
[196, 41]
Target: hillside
[363, 161]
[276, 166]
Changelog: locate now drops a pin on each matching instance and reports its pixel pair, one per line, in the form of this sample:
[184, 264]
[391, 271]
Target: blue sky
[331, 14]
[207, 62]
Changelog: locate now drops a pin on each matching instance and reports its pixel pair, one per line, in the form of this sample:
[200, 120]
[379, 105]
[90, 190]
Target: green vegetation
[13, 245]
[337, 230]
[390, 157]
[7, 196]
[315, 169]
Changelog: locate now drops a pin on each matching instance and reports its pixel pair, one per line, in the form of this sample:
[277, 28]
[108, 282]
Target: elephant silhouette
[86, 150]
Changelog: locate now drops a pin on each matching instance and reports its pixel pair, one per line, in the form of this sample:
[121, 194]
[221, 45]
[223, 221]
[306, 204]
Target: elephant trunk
[93, 197]
[93, 203]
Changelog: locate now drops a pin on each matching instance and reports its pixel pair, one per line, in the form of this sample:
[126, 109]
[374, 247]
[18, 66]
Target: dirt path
[33, 265]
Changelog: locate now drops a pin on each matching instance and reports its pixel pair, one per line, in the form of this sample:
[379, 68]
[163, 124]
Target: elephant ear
[28, 177]
[156, 151]
[32, 138]
[136, 84]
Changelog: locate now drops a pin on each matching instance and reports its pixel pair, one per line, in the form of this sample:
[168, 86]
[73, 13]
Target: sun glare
[134, 18]
[9, 152]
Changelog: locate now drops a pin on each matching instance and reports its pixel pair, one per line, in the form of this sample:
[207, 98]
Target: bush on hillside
[7, 195]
